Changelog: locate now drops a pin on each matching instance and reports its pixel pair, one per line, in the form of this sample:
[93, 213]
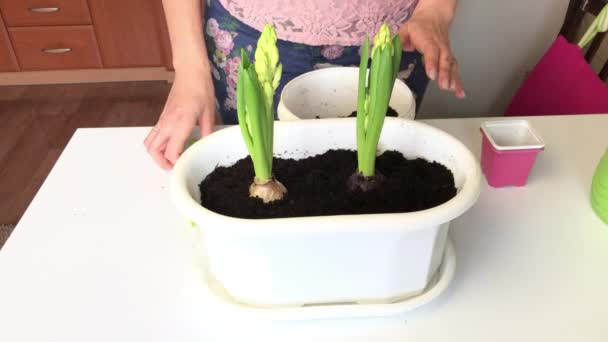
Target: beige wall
[496, 43]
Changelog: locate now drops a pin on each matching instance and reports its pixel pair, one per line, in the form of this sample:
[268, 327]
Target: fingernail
[445, 85]
[432, 75]
[453, 85]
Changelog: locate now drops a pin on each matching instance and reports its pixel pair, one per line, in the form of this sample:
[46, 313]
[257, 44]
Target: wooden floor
[36, 122]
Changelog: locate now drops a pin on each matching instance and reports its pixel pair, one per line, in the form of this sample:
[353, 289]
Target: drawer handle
[44, 9]
[59, 50]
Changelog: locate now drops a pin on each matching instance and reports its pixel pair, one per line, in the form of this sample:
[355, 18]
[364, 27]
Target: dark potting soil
[317, 186]
[390, 112]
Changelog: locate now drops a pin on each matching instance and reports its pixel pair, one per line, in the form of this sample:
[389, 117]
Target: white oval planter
[376, 258]
[331, 93]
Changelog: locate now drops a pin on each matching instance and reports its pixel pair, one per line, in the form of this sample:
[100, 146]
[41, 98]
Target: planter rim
[191, 208]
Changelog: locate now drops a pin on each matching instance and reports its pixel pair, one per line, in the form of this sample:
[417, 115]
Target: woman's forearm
[427, 31]
[185, 24]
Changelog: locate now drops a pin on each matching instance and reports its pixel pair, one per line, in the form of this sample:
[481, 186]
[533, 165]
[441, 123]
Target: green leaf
[241, 108]
[245, 59]
[373, 98]
[277, 77]
[398, 51]
[256, 110]
[256, 85]
[361, 99]
[262, 114]
[366, 167]
[269, 73]
[378, 111]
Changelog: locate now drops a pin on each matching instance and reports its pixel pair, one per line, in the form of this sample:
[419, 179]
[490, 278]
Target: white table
[101, 255]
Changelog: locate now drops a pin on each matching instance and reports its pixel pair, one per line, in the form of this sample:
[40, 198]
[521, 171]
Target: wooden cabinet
[45, 12]
[8, 62]
[83, 34]
[55, 47]
[127, 32]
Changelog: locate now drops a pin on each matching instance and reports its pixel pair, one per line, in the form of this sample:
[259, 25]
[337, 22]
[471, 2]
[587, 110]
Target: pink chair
[563, 82]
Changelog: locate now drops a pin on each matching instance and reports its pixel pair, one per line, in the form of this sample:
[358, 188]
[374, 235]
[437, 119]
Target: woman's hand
[427, 31]
[191, 101]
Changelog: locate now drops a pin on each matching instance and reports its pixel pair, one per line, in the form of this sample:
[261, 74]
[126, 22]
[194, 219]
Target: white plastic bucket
[375, 258]
[332, 93]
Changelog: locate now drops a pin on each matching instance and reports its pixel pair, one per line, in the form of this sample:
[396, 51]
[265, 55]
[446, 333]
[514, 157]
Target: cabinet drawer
[56, 47]
[8, 62]
[45, 12]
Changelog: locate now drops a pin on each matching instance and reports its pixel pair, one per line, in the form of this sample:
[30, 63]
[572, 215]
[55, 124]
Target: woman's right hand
[191, 101]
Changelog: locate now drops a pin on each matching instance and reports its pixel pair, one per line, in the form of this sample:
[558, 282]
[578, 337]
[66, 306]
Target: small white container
[508, 151]
[367, 259]
[332, 93]
[508, 135]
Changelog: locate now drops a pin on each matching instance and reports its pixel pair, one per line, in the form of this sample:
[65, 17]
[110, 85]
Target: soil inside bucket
[316, 186]
[390, 113]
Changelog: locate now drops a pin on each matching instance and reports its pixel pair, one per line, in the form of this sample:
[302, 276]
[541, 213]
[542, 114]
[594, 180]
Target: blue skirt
[226, 36]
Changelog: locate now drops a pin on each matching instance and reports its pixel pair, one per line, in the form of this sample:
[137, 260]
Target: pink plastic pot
[508, 152]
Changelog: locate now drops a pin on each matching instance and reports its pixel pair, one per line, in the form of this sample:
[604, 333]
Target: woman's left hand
[427, 31]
